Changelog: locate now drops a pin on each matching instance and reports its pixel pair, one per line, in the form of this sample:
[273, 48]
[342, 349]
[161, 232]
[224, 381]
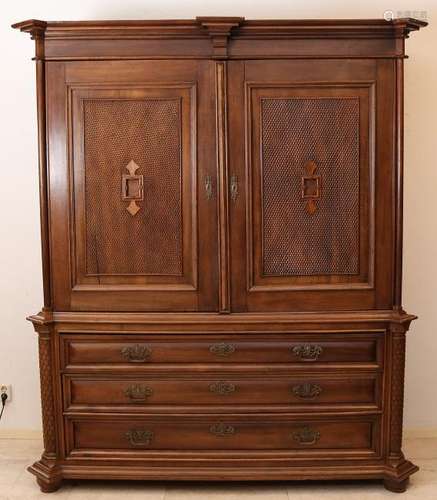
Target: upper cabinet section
[219, 38]
[221, 165]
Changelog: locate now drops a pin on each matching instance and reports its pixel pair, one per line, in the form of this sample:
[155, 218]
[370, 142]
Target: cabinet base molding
[50, 480]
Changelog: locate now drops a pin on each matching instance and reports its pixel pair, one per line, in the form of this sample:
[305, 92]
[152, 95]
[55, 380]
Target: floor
[16, 483]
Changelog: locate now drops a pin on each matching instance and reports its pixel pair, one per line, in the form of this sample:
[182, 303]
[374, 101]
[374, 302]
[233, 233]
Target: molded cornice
[219, 38]
[223, 26]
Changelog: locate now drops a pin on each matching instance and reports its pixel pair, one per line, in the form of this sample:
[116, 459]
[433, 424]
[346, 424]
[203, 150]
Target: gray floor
[17, 483]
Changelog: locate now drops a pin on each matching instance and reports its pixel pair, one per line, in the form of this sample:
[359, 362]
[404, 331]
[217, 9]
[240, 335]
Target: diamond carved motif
[311, 187]
[132, 187]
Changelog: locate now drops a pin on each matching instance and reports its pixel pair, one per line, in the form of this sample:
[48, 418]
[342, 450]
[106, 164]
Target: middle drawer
[151, 394]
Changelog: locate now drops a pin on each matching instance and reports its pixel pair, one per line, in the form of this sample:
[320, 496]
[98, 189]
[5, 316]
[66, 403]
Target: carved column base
[48, 475]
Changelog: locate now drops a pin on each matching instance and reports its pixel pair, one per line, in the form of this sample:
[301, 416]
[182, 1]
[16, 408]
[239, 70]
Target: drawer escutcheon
[223, 388]
[222, 349]
[222, 430]
[139, 437]
[137, 353]
[306, 436]
[138, 393]
[307, 352]
[307, 390]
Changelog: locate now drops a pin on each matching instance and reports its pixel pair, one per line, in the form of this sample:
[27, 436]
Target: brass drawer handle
[307, 352]
[222, 430]
[137, 353]
[139, 437]
[306, 436]
[222, 349]
[138, 393]
[306, 391]
[221, 387]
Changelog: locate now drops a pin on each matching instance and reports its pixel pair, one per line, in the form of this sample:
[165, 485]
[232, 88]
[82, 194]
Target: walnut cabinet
[221, 219]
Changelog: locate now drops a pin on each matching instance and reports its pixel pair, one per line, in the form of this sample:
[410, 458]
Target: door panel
[136, 242]
[130, 179]
[308, 211]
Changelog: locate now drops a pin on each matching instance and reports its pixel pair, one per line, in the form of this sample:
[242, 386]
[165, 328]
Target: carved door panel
[313, 217]
[142, 188]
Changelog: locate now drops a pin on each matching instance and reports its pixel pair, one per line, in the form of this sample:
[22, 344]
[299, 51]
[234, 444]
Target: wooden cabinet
[221, 220]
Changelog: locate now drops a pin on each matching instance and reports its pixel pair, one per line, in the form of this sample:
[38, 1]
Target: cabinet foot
[49, 487]
[48, 476]
[395, 485]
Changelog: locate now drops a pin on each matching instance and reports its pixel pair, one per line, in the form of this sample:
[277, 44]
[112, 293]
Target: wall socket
[8, 390]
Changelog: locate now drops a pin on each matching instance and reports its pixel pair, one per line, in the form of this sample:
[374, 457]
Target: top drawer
[291, 349]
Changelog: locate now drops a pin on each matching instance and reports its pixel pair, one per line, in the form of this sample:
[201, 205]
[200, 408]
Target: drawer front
[143, 394]
[138, 351]
[242, 433]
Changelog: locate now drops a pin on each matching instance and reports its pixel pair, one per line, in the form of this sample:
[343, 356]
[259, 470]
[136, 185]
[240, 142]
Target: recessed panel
[310, 168]
[310, 186]
[147, 238]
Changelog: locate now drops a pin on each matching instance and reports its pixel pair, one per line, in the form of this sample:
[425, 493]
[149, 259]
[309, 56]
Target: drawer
[211, 433]
[296, 349]
[219, 394]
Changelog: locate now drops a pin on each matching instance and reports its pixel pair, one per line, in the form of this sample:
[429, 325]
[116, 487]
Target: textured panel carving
[299, 241]
[47, 403]
[148, 133]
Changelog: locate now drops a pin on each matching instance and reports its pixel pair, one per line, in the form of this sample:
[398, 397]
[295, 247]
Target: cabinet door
[312, 219]
[142, 204]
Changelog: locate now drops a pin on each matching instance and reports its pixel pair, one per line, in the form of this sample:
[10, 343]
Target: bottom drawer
[223, 433]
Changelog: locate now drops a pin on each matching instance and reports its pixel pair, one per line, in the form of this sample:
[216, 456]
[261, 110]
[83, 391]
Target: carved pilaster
[397, 392]
[398, 329]
[46, 470]
[47, 403]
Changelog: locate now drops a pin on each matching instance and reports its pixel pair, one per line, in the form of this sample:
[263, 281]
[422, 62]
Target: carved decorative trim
[223, 388]
[307, 391]
[47, 402]
[222, 349]
[307, 352]
[137, 353]
[139, 437]
[132, 187]
[219, 29]
[306, 436]
[138, 393]
[222, 430]
[311, 187]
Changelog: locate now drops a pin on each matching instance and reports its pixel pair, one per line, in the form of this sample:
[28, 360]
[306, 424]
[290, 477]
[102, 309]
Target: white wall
[20, 278]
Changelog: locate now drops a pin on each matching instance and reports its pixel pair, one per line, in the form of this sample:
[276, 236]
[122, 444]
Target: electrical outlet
[8, 390]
